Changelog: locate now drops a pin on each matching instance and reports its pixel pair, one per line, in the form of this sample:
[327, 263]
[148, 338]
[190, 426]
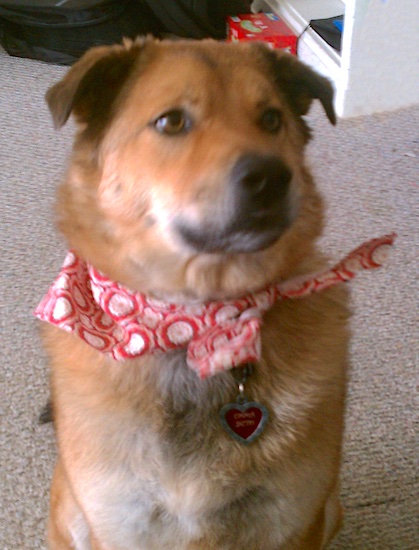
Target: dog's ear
[92, 84]
[300, 83]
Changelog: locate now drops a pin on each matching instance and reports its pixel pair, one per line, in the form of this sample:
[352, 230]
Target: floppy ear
[92, 84]
[300, 83]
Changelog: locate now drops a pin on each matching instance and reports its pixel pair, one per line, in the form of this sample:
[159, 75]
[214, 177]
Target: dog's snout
[260, 180]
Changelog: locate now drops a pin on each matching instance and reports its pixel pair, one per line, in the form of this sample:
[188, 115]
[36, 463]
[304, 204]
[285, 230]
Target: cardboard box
[262, 27]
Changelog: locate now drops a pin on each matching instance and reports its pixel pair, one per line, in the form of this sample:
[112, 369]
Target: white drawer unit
[378, 66]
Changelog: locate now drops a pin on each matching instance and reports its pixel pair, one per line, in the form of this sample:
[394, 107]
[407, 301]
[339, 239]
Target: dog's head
[187, 174]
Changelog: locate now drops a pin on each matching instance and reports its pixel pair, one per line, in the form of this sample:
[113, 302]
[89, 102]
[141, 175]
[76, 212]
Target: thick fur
[144, 463]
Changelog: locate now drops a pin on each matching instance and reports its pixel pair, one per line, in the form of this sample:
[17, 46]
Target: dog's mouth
[253, 213]
[251, 235]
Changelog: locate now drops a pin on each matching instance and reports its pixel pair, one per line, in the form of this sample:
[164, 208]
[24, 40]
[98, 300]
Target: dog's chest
[186, 493]
[173, 469]
[159, 463]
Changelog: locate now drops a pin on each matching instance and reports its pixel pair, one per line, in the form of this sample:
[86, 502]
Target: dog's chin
[244, 240]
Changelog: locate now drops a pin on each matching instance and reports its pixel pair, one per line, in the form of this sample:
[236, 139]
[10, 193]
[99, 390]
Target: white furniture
[377, 69]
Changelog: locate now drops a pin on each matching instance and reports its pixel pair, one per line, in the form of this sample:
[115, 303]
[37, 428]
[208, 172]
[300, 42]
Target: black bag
[61, 31]
[197, 18]
[62, 34]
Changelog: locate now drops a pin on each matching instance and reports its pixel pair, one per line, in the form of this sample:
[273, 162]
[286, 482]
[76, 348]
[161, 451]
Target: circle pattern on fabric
[94, 340]
[180, 332]
[62, 309]
[135, 345]
[120, 305]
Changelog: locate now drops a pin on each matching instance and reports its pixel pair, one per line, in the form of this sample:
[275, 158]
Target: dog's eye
[173, 123]
[271, 121]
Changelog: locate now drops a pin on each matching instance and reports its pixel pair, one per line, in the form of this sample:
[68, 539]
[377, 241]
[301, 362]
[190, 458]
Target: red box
[262, 27]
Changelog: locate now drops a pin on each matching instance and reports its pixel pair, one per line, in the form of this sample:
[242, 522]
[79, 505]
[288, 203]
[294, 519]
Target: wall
[380, 69]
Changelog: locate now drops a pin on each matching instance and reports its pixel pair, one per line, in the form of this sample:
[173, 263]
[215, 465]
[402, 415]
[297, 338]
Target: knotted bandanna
[218, 335]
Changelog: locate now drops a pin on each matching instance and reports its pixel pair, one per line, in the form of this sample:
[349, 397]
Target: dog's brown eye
[271, 120]
[173, 123]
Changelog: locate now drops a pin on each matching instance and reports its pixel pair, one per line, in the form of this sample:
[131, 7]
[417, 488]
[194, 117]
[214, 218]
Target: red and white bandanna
[218, 335]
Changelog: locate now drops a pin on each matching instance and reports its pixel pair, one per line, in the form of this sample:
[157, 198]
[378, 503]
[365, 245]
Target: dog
[187, 185]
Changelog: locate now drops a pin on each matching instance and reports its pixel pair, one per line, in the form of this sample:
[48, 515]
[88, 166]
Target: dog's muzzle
[254, 212]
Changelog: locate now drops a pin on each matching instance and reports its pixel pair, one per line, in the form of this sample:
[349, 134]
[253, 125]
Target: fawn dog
[187, 185]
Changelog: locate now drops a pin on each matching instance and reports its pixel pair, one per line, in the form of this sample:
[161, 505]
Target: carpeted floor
[368, 170]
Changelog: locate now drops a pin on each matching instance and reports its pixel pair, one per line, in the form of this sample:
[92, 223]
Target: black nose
[260, 182]
[252, 213]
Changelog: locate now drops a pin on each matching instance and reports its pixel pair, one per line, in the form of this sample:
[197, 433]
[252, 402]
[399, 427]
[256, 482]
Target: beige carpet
[368, 170]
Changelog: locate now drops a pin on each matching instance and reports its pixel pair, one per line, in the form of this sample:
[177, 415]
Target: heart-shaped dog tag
[244, 420]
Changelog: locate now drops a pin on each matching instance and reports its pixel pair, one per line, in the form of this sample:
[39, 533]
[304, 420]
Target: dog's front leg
[324, 528]
[67, 527]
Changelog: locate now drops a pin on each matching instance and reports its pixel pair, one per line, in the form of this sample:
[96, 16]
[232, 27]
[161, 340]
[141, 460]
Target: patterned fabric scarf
[218, 335]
